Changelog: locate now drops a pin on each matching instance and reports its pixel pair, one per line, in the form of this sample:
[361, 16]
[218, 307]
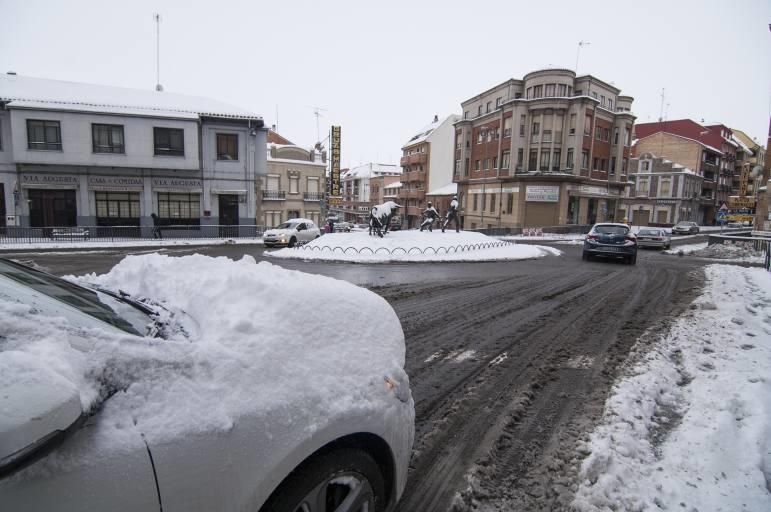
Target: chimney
[436, 118]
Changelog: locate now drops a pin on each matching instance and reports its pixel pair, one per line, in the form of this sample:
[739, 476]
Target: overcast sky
[382, 70]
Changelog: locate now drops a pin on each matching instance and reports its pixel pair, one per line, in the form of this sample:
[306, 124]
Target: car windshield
[611, 230]
[288, 225]
[649, 232]
[105, 306]
[684, 224]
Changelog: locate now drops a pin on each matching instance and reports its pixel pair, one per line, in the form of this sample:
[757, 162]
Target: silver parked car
[685, 228]
[56, 454]
[292, 232]
[654, 237]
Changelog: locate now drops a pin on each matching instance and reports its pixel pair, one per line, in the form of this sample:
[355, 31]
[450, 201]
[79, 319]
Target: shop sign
[115, 182]
[542, 193]
[49, 179]
[177, 183]
[334, 164]
[741, 202]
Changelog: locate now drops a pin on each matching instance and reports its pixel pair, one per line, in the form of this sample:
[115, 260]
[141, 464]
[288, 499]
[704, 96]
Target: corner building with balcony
[550, 149]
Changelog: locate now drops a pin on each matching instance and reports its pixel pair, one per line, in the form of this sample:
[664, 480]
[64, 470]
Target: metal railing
[100, 234]
[758, 244]
[451, 249]
[313, 196]
[274, 194]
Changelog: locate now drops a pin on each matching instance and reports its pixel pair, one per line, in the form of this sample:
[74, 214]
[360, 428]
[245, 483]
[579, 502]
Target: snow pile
[412, 245]
[261, 345]
[734, 252]
[690, 427]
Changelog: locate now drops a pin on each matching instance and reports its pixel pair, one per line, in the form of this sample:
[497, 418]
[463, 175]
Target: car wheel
[292, 242]
[346, 480]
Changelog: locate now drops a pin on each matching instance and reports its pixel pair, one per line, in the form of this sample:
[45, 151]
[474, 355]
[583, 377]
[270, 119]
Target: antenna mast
[157, 18]
[581, 44]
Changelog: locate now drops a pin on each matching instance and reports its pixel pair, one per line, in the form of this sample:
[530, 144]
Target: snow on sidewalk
[412, 246]
[98, 243]
[689, 427]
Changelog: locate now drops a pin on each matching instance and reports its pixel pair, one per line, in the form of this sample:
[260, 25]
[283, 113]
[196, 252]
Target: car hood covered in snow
[239, 362]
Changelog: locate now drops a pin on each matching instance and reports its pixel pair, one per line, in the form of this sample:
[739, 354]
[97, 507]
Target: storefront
[51, 200]
[118, 200]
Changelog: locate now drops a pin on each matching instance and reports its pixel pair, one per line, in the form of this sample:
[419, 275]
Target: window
[489, 106]
[562, 90]
[44, 135]
[465, 114]
[572, 124]
[227, 146]
[642, 187]
[498, 102]
[458, 140]
[550, 90]
[585, 159]
[116, 205]
[594, 95]
[610, 104]
[522, 121]
[555, 161]
[495, 162]
[507, 127]
[538, 91]
[294, 184]
[480, 137]
[272, 218]
[107, 138]
[487, 163]
[532, 162]
[517, 95]
[484, 201]
[615, 135]
[598, 133]
[492, 203]
[545, 154]
[174, 208]
[477, 164]
[569, 163]
[520, 156]
[169, 141]
[475, 202]
[588, 125]
[505, 157]
[596, 165]
[479, 112]
[613, 165]
[665, 188]
[457, 167]
[509, 202]
[602, 100]
[623, 166]
[536, 128]
[546, 136]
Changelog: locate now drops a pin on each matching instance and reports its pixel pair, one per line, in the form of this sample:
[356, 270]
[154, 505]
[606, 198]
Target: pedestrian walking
[452, 215]
[156, 226]
[429, 214]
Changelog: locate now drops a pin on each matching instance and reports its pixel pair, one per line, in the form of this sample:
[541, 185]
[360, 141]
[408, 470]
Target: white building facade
[75, 154]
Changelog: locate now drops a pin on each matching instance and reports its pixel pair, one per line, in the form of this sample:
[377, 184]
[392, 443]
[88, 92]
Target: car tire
[292, 242]
[305, 488]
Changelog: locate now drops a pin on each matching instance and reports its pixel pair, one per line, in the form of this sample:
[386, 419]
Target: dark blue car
[611, 240]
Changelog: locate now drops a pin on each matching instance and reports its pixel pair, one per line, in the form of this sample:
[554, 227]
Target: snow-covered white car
[291, 233]
[177, 392]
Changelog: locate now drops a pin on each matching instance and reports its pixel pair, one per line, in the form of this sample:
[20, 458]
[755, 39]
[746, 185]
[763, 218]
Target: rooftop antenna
[661, 112]
[157, 18]
[317, 111]
[581, 44]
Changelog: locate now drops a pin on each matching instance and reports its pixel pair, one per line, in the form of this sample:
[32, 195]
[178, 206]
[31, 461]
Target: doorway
[591, 212]
[228, 215]
[49, 208]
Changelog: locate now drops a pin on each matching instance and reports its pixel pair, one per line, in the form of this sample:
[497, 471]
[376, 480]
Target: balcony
[313, 196]
[414, 193]
[418, 158]
[414, 210]
[405, 160]
[273, 195]
[407, 177]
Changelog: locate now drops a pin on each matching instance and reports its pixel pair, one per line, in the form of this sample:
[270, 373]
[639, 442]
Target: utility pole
[157, 18]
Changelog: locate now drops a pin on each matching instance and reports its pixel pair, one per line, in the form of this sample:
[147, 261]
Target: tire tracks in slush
[498, 429]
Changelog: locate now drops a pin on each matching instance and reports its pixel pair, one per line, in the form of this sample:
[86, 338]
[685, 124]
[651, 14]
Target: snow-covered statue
[380, 217]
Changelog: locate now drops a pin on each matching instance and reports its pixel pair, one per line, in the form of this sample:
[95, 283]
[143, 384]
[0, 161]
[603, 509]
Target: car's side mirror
[40, 408]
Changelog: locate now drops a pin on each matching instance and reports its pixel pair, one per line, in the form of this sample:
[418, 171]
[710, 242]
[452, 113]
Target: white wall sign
[115, 182]
[177, 183]
[31, 180]
[542, 193]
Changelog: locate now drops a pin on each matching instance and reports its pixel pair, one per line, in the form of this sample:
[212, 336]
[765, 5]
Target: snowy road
[510, 362]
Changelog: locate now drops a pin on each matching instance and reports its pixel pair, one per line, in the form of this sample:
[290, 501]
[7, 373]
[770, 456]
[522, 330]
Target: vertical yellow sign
[335, 162]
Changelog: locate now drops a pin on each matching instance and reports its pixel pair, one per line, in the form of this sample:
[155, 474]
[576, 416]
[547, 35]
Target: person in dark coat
[156, 226]
[452, 215]
[430, 215]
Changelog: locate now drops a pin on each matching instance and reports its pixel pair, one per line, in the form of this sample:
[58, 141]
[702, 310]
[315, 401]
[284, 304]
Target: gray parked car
[56, 455]
[685, 228]
[654, 237]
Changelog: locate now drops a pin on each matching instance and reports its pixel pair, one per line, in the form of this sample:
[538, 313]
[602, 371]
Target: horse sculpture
[380, 217]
